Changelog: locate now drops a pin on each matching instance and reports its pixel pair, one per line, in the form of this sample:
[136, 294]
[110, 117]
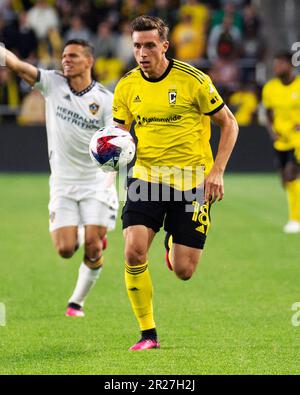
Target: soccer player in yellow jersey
[171, 104]
[281, 98]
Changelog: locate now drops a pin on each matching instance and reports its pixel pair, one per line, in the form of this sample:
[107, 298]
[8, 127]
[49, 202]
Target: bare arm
[122, 126]
[26, 71]
[269, 125]
[214, 184]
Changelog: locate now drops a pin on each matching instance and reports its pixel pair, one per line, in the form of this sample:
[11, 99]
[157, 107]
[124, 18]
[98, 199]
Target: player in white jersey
[81, 195]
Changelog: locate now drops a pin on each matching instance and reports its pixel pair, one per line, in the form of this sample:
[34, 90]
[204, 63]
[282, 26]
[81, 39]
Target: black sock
[149, 334]
[168, 235]
[74, 306]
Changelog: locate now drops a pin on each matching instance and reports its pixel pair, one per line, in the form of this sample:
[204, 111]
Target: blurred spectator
[188, 40]
[224, 34]
[8, 33]
[108, 71]
[228, 10]
[9, 95]
[42, 18]
[77, 30]
[244, 104]
[225, 74]
[124, 46]
[199, 12]
[109, 11]
[26, 43]
[105, 41]
[8, 12]
[163, 9]
[32, 111]
[225, 70]
[133, 8]
[89, 14]
[65, 10]
[253, 46]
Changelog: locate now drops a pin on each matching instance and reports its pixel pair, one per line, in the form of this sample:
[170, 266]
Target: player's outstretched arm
[25, 70]
[214, 184]
[269, 125]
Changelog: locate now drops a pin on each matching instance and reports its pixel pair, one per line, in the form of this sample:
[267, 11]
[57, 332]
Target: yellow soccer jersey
[172, 123]
[284, 101]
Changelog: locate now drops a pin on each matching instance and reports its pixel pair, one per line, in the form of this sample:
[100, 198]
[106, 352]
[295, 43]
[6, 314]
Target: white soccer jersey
[71, 120]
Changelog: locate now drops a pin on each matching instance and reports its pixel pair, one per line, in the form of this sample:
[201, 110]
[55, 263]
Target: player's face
[281, 67]
[75, 61]
[149, 51]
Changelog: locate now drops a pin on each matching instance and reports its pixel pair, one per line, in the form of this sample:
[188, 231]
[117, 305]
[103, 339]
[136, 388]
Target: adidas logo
[137, 99]
[67, 97]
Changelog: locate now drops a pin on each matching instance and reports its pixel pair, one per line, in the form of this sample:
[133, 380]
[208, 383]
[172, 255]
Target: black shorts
[285, 157]
[183, 214]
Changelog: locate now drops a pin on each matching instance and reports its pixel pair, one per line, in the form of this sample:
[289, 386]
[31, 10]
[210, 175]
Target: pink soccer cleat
[71, 312]
[145, 344]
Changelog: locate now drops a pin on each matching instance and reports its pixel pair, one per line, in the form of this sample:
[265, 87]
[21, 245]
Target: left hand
[214, 186]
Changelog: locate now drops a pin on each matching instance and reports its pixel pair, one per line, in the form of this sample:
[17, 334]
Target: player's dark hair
[89, 49]
[285, 55]
[146, 22]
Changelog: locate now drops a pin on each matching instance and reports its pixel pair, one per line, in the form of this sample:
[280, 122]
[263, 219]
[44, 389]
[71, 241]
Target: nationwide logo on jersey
[94, 107]
[67, 97]
[172, 96]
[137, 99]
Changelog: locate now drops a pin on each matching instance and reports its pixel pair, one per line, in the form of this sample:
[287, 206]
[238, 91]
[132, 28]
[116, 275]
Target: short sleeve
[45, 81]
[208, 98]
[121, 113]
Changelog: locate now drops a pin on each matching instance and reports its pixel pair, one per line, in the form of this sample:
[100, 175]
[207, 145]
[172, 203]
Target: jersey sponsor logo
[74, 118]
[144, 120]
[172, 96]
[67, 97]
[94, 107]
[137, 99]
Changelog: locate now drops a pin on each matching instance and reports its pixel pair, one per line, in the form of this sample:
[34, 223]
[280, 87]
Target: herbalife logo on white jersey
[75, 118]
[137, 99]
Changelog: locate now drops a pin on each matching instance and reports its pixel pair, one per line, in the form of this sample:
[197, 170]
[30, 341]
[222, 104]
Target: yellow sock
[139, 290]
[293, 195]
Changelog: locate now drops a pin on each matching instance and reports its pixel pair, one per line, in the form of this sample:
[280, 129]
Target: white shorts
[77, 205]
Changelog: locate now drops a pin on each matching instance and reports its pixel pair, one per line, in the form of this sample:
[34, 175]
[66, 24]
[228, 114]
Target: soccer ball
[111, 148]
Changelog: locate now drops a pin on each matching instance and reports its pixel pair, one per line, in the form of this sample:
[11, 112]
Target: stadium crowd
[221, 37]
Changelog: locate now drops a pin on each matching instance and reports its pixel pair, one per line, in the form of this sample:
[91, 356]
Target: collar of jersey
[86, 90]
[168, 69]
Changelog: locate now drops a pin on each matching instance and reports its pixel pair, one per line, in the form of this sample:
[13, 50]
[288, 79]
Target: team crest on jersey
[94, 107]
[172, 96]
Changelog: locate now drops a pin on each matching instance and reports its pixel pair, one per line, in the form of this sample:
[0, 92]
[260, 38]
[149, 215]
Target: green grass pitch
[232, 317]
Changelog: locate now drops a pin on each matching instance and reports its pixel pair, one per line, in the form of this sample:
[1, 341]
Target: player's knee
[135, 255]
[92, 246]
[185, 270]
[65, 251]
[290, 173]
[184, 275]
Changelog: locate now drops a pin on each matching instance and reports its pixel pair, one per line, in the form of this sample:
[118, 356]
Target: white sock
[85, 281]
